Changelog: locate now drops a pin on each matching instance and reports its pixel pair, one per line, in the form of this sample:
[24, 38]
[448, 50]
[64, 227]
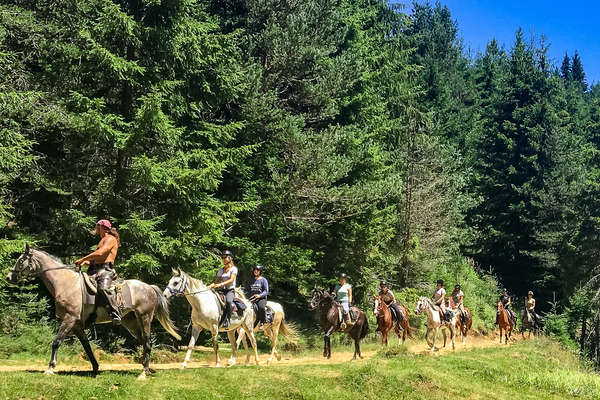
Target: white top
[439, 293]
[341, 292]
[223, 276]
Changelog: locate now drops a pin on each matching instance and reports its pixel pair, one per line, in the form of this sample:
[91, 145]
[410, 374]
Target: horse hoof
[269, 360]
[183, 366]
[217, 365]
[142, 376]
[49, 372]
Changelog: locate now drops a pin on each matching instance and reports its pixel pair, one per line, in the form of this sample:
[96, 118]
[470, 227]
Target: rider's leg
[227, 309]
[399, 315]
[104, 281]
[261, 311]
[345, 315]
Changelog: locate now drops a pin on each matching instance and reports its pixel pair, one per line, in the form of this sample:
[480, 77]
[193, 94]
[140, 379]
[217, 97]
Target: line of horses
[142, 302]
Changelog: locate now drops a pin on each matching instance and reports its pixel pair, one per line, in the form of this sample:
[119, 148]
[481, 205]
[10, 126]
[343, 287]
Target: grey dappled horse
[74, 305]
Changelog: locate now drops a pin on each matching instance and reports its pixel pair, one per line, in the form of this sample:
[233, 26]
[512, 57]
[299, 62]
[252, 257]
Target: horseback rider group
[101, 269]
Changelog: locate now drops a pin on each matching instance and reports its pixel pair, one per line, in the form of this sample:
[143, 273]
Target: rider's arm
[349, 295]
[101, 252]
[265, 289]
[227, 282]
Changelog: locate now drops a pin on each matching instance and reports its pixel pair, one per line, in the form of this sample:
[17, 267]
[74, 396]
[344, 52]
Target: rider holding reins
[101, 265]
[225, 283]
[439, 299]
[387, 296]
[530, 307]
[506, 302]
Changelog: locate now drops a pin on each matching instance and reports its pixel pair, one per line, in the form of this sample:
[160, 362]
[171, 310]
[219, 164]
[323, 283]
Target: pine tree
[565, 68]
[577, 71]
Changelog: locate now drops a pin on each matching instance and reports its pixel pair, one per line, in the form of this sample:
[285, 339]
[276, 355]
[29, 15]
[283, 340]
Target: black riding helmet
[457, 287]
[440, 282]
[383, 283]
[226, 253]
[258, 267]
[343, 275]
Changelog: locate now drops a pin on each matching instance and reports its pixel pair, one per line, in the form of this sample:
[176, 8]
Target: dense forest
[314, 137]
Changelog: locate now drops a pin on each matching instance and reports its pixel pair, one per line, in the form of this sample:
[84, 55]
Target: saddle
[269, 314]
[90, 290]
[341, 313]
[238, 302]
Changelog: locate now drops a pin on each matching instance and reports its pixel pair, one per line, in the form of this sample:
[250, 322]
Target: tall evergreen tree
[577, 71]
[565, 68]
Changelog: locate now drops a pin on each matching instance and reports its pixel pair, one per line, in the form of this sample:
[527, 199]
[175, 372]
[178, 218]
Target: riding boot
[115, 313]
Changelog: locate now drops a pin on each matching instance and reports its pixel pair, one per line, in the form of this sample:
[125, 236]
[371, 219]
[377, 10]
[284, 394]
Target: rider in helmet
[258, 289]
[343, 294]
[101, 266]
[506, 302]
[439, 299]
[387, 296]
[225, 283]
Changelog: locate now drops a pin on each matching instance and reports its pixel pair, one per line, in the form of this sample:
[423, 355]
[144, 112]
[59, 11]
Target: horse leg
[453, 331]
[231, 336]
[445, 336]
[242, 339]
[215, 338]
[79, 332]
[327, 343]
[65, 327]
[384, 336]
[144, 324]
[250, 334]
[356, 348]
[195, 332]
[274, 331]
[435, 333]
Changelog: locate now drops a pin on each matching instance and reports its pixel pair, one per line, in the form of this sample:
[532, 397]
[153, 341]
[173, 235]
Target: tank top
[438, 294]
[387, 298]
[341, 292]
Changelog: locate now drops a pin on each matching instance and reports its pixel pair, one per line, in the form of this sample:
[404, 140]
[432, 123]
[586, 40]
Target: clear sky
[567, 25]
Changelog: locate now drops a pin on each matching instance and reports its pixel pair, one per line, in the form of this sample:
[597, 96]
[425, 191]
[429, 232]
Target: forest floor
[525, 369]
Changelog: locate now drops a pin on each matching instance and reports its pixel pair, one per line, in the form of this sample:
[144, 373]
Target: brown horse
[385, 323]
[464, 322]
[329, 315]
[73, 305]
[504, 322]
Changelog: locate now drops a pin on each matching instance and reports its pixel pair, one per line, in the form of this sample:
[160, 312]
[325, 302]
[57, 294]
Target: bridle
[39, 271]
[184, 284]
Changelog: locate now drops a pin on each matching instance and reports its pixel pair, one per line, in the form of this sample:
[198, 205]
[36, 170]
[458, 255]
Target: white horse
[434, 322]
[271, 330]
[205, 315]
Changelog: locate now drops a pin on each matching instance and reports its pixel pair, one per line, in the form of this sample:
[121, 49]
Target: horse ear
[179, 271]
[173, 271]
[27, 249]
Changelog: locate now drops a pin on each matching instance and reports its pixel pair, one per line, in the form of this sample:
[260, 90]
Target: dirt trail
[414, 347]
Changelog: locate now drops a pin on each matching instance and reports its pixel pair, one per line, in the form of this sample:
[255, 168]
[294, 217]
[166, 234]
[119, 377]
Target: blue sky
[568, 26]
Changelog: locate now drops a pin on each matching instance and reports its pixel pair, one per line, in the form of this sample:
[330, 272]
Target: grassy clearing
[538, 369]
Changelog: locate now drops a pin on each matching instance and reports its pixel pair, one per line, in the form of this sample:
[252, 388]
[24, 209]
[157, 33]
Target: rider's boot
[113, 307]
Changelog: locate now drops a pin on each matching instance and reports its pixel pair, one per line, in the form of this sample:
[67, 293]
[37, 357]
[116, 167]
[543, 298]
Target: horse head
[422, 304]
[318, 296]
[24, 267]
[177, 283]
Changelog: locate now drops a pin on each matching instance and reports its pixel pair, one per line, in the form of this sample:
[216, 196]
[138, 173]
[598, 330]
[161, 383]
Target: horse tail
[288, 330]
[365, 328]
[162, 313]
[410, 330]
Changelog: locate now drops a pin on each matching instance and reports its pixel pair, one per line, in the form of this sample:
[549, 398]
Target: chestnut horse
[504, 322]
[329, 315]
[385, 323]
[464, 321]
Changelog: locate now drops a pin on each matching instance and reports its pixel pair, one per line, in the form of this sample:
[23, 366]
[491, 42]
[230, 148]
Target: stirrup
[343, 326]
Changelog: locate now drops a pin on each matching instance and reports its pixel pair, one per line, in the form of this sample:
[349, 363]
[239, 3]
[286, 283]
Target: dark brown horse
[504, 322]
[385, 322]
[141, 302]
[464, 322]
[329, 315]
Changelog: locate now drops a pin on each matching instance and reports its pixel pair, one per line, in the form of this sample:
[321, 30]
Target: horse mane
[197, 283]
[50, 256]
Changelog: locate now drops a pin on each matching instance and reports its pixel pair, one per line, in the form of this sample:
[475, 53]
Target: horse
[206, 311]
[385, 323]
[141, 302]
[504, 322]
[434, 322]
[464, 321]
[329, 315]
[528, 323]
[272, 331]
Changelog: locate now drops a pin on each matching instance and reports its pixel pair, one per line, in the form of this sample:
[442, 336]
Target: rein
[181, 291]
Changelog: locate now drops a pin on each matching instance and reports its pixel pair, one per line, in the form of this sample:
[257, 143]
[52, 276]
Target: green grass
[538, 369]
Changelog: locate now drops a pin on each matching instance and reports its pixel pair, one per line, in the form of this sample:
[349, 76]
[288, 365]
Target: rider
[387, 296]
[101, 266]
[530, 307]
[439, 299]
[258, 288]
[343, 294]
[506, 301]
[225, 283]
[458, 297]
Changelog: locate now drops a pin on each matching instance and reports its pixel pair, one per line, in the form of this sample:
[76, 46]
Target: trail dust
[337, 357]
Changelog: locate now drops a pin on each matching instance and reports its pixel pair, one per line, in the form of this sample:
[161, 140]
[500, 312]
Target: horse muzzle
[11, 278]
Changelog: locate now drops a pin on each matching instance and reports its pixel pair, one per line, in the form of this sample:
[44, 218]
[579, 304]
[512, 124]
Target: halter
[39, 272]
